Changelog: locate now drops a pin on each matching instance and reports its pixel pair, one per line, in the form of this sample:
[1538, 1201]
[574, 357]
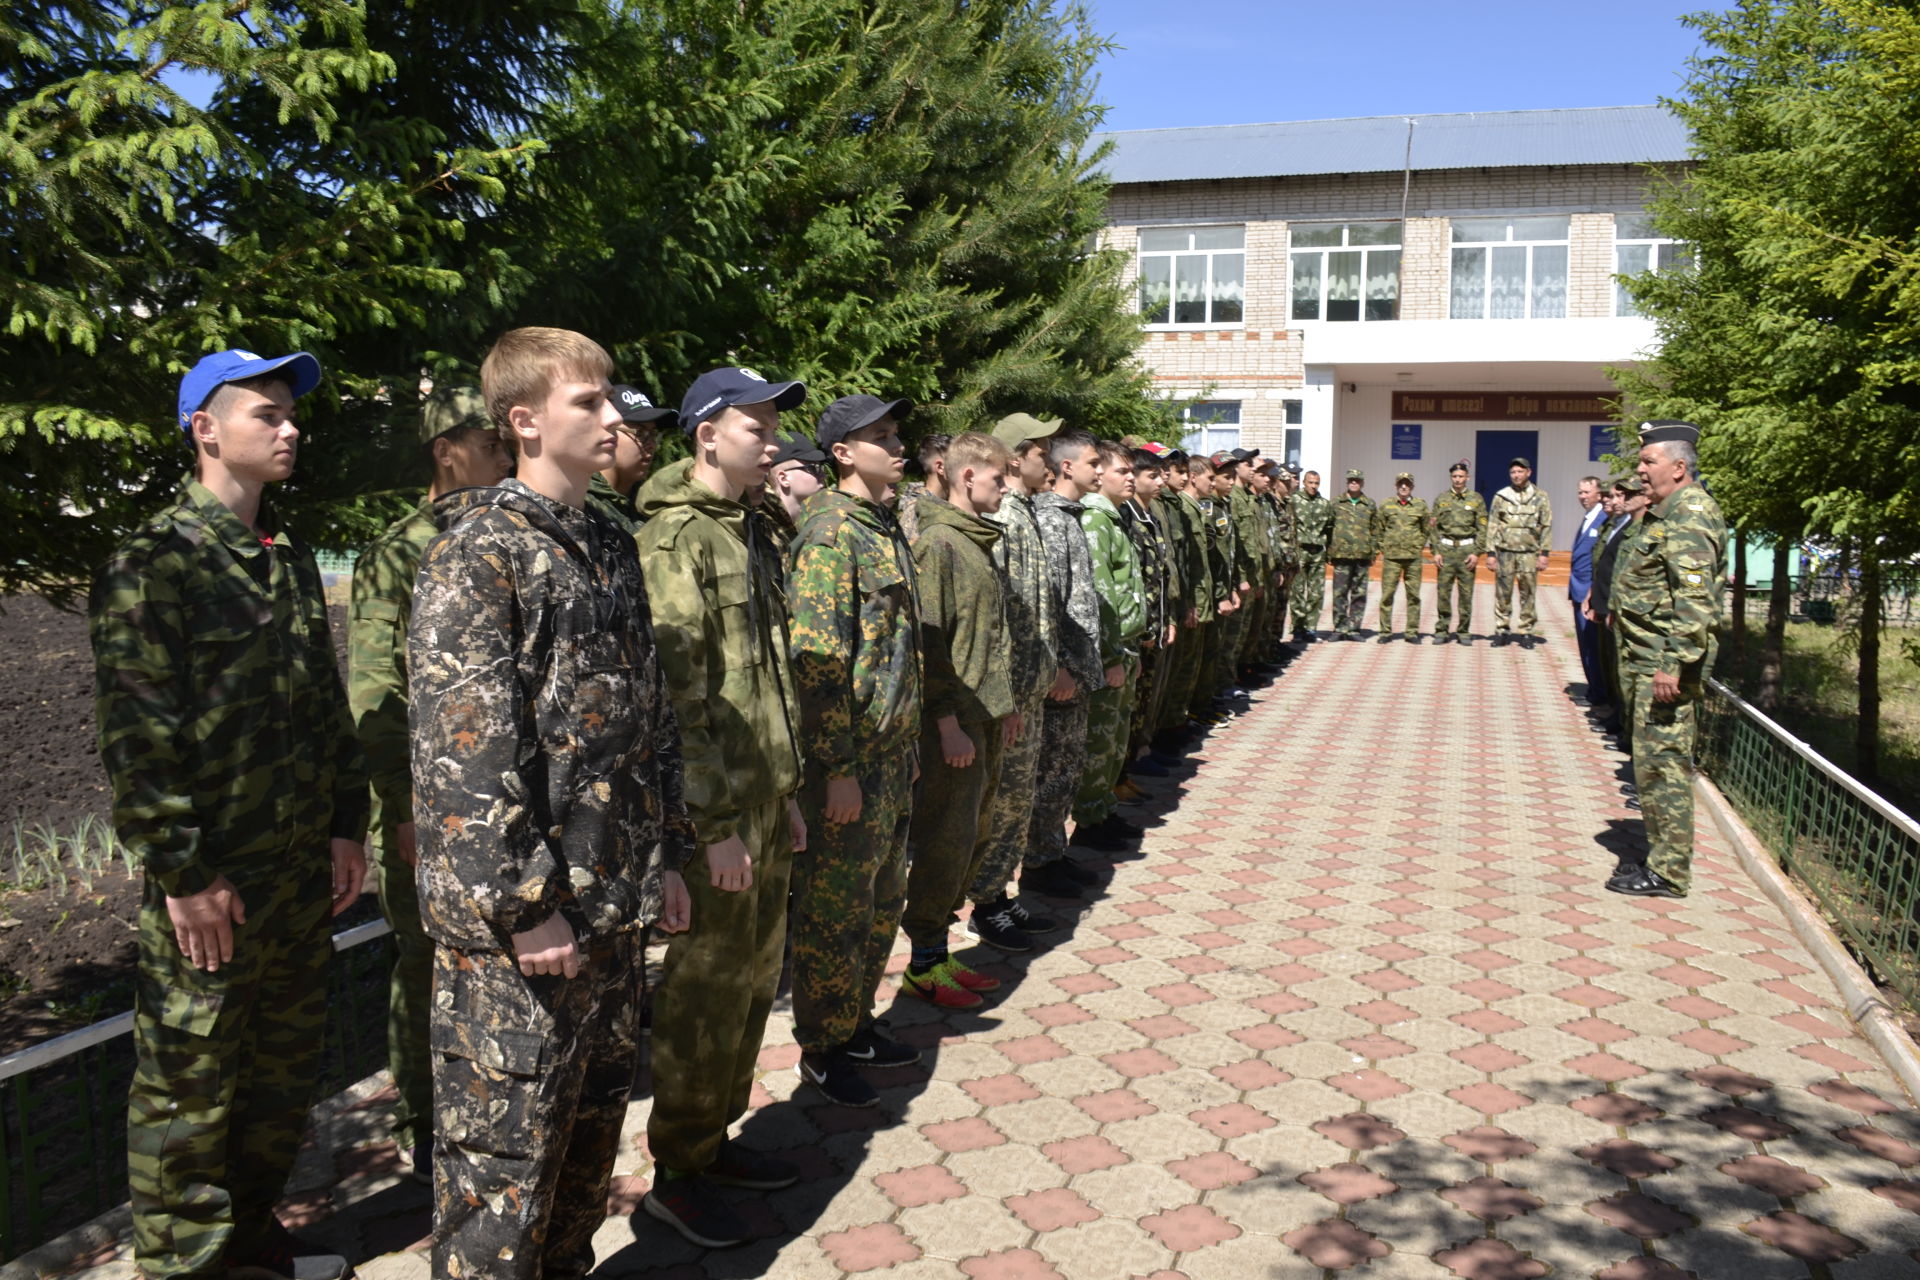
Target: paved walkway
[1360, 1006]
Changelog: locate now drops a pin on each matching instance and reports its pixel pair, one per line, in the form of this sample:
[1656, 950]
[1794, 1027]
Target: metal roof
[1378, 144]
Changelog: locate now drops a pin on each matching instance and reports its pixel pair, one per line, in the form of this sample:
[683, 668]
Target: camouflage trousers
[1184, 661]
[1281, 616]
[1206, 666]
[1231, 634]
[1155, 666]
[1006, 826]
[409, 998]
[1349, 594]
[1253, 633]
[531, 1077]
[947, 840]
[1454, 580]
[224, 1069]
[716, 990]
[849, 885]
[1622, 706]
[1107, 713]
[1063, 754]
[1309, 588]
[1396, 573]
[1515, 569]
[1663, 739]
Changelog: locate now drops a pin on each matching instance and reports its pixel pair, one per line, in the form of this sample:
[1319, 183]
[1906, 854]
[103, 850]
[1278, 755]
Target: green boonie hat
[1355, 473]
[1629, 482]
[1016, 427]
[449, 409]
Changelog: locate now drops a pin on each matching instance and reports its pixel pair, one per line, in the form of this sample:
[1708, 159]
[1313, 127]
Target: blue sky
[1196, 62]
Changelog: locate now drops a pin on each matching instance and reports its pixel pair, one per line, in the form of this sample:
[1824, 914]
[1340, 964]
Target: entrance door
[1493, 450]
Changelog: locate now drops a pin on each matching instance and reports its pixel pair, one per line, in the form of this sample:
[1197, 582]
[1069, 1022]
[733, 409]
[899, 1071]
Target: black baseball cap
[797, 448]
[850, 413]
[636, 409]
[1244, 455]
[715, 389]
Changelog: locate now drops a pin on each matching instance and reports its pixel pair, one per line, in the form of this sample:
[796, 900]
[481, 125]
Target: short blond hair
[974, 449]
[525, 363]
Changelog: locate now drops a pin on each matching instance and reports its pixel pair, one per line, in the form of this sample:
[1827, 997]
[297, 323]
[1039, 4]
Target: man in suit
[1625, 500]
[1586, 541]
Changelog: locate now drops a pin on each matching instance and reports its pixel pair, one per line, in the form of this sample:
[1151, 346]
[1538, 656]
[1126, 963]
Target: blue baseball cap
[220, 368]
[715, 389]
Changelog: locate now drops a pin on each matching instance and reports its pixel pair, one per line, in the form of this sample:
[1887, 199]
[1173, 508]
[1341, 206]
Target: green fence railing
[63, 1104]
[1854, 853]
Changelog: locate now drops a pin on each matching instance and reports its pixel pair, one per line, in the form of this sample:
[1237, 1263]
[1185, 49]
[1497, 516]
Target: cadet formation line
[590, 700]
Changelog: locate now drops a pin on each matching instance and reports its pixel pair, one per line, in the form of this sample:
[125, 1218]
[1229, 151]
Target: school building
[1396, 293]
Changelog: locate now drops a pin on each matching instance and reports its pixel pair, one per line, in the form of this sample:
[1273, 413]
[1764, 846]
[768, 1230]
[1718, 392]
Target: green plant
[41, 855]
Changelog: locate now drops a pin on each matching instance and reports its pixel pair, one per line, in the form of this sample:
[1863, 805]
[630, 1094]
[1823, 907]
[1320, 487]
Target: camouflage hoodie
[717, 608]
[1033, 616]
[1353, 531]
[963, 614]
[1070, 570]
[546, 761]
[1197, 551]
[855, 635]
[611, 503]
[1116, 576]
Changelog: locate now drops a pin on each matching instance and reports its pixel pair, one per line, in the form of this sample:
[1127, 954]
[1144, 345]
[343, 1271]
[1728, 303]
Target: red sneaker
[936, 986]
[969, 979]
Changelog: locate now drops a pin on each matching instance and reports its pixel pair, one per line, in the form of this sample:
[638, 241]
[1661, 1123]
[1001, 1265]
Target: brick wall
[1425, 266]
[1590, 265]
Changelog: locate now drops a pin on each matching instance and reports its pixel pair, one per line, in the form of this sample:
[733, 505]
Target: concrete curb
[1874, 1017]
[106, 1236]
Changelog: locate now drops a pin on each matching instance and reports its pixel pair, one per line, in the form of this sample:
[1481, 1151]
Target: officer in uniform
[1668, 605]
[1520, 524]
[1351, 547]
[1400, 529]
[1312, 526]
[1459, 539]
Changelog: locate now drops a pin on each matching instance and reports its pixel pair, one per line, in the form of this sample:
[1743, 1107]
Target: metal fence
[1856, 855]
[63, 1104]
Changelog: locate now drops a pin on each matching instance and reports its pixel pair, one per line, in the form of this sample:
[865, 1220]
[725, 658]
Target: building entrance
[1493, 450]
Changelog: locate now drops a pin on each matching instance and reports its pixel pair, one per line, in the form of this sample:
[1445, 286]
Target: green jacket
[1353, 533]
[1400, 528]
[854, 626]
[1170, 522]
[382, 605]
[1116, 577]
[1521, 521]
[1312, 520]
[963, 614]
[1668, 597]
[1459, 515]
[1286, 548]
[1033, 622]
[613, 504]
[1252, 545]
[1209, 587]
[223, 723]
[1217, 520]
[714, 579]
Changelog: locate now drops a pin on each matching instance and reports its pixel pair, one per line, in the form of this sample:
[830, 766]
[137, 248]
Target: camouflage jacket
[1217, 519]
[1033, 621]
[963, 614]
[1312, 520]
[781, 530]
[1116, 576]
[1521, 521]
[1151, 550]
[1251, 542]
[382, 605]
[1459, 515]
[1077, 602]
[1668, 599]
[1400, 528]
[1203, 570]
[611, 503]
[1170, 523]
[855, 635]
[1353, 530]
[223, 723]
[714, 579]
[1286, 550]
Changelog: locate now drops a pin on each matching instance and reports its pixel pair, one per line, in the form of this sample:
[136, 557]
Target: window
[1345, 270]
[1510, 268]
[1294, 414]
[1293, 447]
[1192, 275]
[1212, 425]
[1638, 246]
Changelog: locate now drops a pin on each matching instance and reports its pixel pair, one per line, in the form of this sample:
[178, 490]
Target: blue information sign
[1406, 441]
[1600, 441]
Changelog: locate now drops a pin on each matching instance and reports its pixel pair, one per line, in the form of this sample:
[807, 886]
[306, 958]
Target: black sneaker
[993, 924]
[1441, 637]
[1101, 839]
[1528, 641]
[1052, 880]
[833, 1075]
[285, 1256]
[693, 1207]
[873, 1047]
[1645, 883]
[738, 1166]
[1031, 922]
[1500, 638]
[1414, 638]
[1464, 640]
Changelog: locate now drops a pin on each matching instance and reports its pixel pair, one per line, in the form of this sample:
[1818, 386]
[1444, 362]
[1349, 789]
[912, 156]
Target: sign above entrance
[1502, 406]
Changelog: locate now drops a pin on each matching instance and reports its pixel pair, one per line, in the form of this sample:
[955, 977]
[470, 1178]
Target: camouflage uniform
[856, 662]
[1063, 742]
[714, 579]
[225, 732]
[1312, 528]
[1033, 628]
[1351, 547]
[1286, 562]
[1155, 553]
[1256, 551]
[1182, 521]
[382, 605]
[963, 617]
[1520, 528]
[1217, 522]
[1123, 621]
[1458, 531]
[1400, 529]
[613, 504]
[1668, 607]
[547, 780]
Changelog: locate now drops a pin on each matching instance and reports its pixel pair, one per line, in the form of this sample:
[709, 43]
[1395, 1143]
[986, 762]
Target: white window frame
[1346, 245]
[1213, 425]
[1511, 241]
[1663, 254]
[1172, 257]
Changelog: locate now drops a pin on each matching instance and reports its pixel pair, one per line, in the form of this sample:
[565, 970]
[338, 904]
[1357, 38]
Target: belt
[1313, 546]
[1457, 542]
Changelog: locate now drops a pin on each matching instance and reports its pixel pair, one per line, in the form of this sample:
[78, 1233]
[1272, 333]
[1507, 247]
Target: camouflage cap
[1017, 427]
[1355, 473]
[1628, 483]
[451, 408]
[1405, 477]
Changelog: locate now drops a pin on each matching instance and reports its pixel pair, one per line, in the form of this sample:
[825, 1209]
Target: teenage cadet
[1312, 526]
[1123, 621]
[1255, 547]
[714, 578]
[1033, 628]
[1143, 517]
[1400, 530]
[1459, 539]
[930, 462]
[1216, 525]
[1351, 546]
[551, 829]
[1180, 515]
[1286, 554]
[1668, 603]
[969, 717]
[796, 476]
[238, 784]
[1074, 458]
[641, 422]
[462, 450]
[1520, 528]
[856, 663]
